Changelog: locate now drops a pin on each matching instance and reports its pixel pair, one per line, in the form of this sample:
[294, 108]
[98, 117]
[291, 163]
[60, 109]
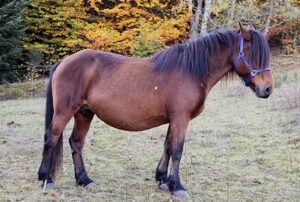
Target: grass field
[240, 148]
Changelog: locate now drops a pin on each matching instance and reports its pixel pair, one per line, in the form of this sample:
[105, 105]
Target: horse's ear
[245, 27]
[252, 25]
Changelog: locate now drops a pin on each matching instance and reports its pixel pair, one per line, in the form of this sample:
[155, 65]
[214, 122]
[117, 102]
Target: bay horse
[136, 94]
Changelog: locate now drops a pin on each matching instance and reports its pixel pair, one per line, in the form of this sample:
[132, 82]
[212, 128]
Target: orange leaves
[138, 27]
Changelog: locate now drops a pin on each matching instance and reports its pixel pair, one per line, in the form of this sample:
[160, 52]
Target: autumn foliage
[137, 27]
[37, 33]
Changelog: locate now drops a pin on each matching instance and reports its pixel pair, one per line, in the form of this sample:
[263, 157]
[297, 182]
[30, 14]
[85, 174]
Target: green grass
[22, 90]
[240, 148]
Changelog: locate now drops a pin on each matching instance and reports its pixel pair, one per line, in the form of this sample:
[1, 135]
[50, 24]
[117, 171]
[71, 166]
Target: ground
[240, 148]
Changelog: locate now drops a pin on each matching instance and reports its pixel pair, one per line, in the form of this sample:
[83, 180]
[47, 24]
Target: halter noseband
[253, 72]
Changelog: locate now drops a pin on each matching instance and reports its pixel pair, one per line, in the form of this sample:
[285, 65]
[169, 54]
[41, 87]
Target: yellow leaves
[93, 5]
[138, 27]
[136, 12]
[128, 23]
[150, 4]
[295, 2]
[220, 6]
[120, 10]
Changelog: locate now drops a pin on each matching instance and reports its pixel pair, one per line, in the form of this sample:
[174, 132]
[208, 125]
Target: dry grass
[240, 149]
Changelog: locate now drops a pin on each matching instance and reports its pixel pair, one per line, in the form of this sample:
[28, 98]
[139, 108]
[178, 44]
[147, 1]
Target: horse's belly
[135, 125]
[131, 98]
[128, 116]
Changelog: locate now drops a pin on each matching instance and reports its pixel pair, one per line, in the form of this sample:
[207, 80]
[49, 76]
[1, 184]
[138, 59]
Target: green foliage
[11, 29]
[53, 28]
[22, 90]
[36, 58]
[146, 43]
[59, 28]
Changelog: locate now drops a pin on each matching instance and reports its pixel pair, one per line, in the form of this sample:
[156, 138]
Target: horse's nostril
[268, 90]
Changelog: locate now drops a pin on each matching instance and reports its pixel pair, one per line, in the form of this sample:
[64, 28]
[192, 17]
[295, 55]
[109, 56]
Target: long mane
[194, 57]
[260, 52]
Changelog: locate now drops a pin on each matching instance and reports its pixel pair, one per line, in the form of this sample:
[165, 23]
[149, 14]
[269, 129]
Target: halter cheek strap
[253, 72]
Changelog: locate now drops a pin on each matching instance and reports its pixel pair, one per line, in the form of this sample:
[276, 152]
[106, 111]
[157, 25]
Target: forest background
[34, 34]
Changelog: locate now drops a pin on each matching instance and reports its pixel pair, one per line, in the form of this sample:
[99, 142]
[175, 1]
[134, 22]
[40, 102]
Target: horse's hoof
[164, 186]
[181, 194]
[91, 186]
[50, 185]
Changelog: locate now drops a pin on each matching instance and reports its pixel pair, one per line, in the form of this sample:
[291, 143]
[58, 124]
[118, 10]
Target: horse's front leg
[174, 147]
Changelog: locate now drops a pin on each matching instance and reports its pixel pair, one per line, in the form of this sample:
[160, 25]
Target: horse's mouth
[261, 96]
[259, 93]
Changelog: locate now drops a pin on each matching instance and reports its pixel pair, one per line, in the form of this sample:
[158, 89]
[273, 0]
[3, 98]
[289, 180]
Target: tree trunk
[230, 14]
[191, 6]
[197, 16]
[194, 21]
[268, 20]
[205, 17]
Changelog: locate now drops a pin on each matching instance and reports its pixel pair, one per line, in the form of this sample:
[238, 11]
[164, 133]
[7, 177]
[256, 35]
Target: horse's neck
[218, 72]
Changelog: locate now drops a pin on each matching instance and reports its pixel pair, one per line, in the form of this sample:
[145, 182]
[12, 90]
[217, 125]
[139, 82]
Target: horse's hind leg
[161, 175]
[83, 119]
[53, 146]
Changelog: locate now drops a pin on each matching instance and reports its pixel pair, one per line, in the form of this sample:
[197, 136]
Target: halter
[253, 72]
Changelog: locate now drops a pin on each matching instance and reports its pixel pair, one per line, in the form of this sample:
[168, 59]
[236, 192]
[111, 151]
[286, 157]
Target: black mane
[194, 57]
[260, 52]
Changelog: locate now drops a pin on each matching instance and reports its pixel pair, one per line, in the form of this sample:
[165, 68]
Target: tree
[194, 21]
[62, 27]
[278, 20]
[206, 15]
[11, 30]
[54, 28]
[199, 8]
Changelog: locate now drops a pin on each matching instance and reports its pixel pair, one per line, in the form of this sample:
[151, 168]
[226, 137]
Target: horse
[136, 94]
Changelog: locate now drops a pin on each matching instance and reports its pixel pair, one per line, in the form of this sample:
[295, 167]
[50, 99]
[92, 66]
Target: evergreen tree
[11, 29]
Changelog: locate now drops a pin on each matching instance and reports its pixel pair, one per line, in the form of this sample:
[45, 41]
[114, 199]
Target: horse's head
[251, 60]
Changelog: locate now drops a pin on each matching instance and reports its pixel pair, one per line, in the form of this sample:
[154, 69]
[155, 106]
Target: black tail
[57, 153]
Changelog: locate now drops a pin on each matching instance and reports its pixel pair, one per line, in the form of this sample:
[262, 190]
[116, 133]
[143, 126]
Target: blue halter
[253, 72]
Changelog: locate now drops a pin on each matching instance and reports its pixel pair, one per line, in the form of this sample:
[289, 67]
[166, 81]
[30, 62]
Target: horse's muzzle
[263, 92]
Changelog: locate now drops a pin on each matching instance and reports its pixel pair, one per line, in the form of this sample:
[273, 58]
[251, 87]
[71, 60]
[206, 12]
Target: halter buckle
[253, 72]
[241, 54]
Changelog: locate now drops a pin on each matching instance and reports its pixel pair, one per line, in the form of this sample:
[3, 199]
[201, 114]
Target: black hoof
[91, 186]
[164, 186]
[84, 181]
[162, 179]
[48, 184]
[181, 194]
